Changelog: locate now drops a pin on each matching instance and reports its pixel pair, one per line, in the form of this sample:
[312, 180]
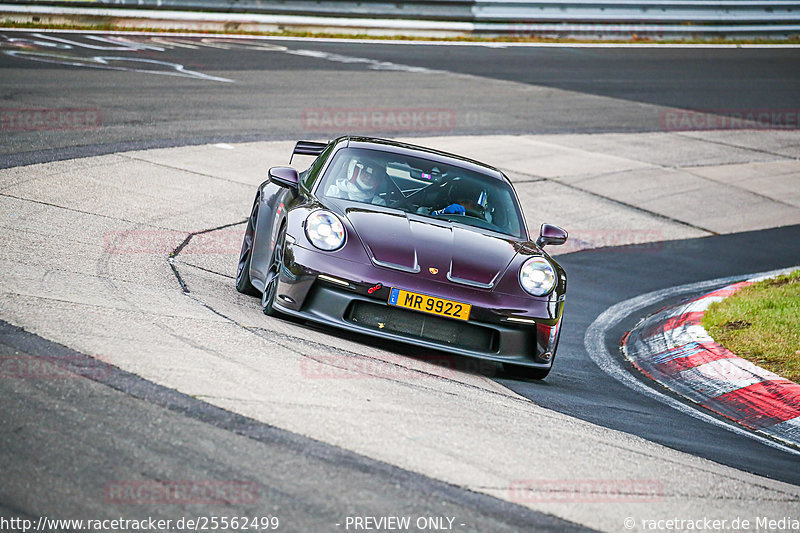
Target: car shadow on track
[446, 360]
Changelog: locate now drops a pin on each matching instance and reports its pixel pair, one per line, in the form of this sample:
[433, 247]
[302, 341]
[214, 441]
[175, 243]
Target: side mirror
[549, 234]
[285, 177]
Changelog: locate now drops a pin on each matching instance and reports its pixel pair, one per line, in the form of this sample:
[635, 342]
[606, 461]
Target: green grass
[762, 324]
[107, 26]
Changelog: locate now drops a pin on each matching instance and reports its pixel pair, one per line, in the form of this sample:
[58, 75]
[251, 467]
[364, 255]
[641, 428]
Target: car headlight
[325, 230]
[537, 276]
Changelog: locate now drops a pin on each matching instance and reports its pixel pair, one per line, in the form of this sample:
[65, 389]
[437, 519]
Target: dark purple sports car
[406, 243]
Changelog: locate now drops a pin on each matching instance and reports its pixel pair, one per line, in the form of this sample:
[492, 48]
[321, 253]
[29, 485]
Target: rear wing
[307, 148]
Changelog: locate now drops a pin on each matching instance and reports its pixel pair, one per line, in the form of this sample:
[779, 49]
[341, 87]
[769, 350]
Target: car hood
[438, 250]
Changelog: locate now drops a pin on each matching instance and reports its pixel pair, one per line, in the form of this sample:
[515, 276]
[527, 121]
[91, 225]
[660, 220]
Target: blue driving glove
[452, 209]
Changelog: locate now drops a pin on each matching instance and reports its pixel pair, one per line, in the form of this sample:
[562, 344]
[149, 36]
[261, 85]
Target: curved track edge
[595, 343]
[672, 348]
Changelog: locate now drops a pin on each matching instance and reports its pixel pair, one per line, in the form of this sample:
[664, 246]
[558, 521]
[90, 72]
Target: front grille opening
[409, 323]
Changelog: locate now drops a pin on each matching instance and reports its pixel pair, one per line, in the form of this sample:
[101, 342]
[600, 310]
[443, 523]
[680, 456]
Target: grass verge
[761, 323]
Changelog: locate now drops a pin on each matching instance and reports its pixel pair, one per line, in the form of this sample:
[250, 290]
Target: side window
[309, 176]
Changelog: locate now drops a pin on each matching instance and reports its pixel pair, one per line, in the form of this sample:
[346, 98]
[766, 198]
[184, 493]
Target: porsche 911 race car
[406, 243]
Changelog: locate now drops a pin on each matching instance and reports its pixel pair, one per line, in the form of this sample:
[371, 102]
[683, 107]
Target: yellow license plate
[429, 304]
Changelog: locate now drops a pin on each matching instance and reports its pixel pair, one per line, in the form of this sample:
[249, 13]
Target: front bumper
[323, 288]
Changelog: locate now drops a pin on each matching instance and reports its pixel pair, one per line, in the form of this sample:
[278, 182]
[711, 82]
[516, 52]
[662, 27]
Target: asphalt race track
[574, 387]
[577, 90]
[118, 424]
[64, 440]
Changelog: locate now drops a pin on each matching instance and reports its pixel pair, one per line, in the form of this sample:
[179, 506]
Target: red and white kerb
[673, 348]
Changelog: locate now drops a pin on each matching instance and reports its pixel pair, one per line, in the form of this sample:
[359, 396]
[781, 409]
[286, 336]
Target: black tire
[243, 284]
[271, 283]
[526, 372]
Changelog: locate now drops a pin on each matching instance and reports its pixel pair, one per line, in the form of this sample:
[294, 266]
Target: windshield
[423, 187]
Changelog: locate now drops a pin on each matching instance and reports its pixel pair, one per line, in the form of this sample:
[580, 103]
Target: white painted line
[736, 368]
[702, 304]
[719, 377]
[116, 63]
[373, 64]
[790, 428]
[594, 342]
[698, 333]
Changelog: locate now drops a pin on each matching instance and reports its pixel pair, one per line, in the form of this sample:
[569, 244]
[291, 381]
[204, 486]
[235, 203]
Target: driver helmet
[365, 175]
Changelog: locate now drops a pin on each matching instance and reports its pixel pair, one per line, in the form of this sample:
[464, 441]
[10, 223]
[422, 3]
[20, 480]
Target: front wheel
[274, 272]
[243, 284]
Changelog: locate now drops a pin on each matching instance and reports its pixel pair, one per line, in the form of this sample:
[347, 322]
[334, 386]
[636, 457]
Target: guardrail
[458, 10]
[546, 18]
[656, 11]
[663, 18]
